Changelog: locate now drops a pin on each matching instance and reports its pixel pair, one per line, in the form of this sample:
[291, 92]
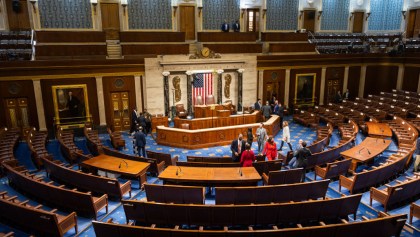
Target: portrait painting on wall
[305, 89]
[71, 105]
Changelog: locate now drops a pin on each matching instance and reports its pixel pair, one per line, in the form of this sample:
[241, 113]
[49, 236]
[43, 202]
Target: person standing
[266, 111]
[249, 137]
[276, 107]
[142, 122]
[417, 157]
[148, 119]
[273, 102]
[261, 137]
[247, 157]
[258, 104]
[236, 27]
[346, 94]
[237, 147]
[140, 142]
[286, 136]
[225, 26]
[134, 118]
[338, 98]
[270, 149]
[280, 113]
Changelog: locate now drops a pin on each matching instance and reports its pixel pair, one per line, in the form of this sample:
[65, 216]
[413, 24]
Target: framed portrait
[71, 107]
[305, 89]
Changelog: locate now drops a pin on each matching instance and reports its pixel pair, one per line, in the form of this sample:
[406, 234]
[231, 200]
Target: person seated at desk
[237, 147]
[247, 156]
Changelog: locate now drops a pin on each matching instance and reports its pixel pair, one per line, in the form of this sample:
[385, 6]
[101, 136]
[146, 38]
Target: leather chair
[228, 105]
[180, 111]
[199, 100]
[210, 100]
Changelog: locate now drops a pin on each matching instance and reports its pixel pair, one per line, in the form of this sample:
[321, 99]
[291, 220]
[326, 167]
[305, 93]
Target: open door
[358, 22]
[187, 21]
[309, 20]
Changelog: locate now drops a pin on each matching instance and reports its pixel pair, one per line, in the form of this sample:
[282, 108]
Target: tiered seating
[57, 196]
[34, 218]
[329, 116]
[333, 169]
[283, 177]
[15, 45]
[154, 169]
[306, 118]
[116, 139]
[412, 45]
[368, 178]
[160, 156]
[175, 194]
[37, 141]
[406, 93]
[271, 194]
[208, 164]
[267, 166]
[351, 114]
[383, 226]
[69, 150]
[391, 110]
[348, 130]
[9, 139]
[151, 213]
[330, 155]
[414, 211]
[220, 42]
[400, 192]
[92, 140]
[84, 181]
[375, 115]
[407, 102]
[405, 132]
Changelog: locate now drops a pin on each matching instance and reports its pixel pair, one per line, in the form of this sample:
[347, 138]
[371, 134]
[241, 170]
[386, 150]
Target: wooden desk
[129, 168]
[366, 151]
[159, 121]
[205, 111]
[380, 130]
[210, 177]
[223, 113]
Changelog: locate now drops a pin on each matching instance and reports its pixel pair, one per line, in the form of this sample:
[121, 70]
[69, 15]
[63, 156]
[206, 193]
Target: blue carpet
[116, 211]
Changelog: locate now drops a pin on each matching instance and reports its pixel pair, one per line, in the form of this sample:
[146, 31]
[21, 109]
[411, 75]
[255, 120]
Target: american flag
[203, 85]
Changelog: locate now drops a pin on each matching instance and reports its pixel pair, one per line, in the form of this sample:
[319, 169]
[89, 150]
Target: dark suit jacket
[301, 157]
[134, 117]
[140, 139]
[257, 106]
[281, 111]
[234, 148]
[142, 121]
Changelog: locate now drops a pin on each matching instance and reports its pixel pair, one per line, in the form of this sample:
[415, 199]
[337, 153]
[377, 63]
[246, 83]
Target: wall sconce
[33, 2]
[200, 9]
[351, 15]
[319, 14]
[300, 14]
[243, 12]
[94, 4]
[403, 13]
[368, 15]
[264, 12]
[175, 7]
[124, 4]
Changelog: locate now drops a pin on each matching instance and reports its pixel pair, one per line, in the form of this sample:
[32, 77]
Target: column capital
[189, 73]
[220, 71]
[166, 73]
[241, 70]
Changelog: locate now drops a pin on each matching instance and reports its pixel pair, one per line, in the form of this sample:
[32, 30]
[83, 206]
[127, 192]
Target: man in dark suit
[140, 142]
[225, 26]
[142, 121]
[266, 111]
[237, 147]
[258, 104]
[133, 120]
[236, 27]
[280, 113]
[73, 105]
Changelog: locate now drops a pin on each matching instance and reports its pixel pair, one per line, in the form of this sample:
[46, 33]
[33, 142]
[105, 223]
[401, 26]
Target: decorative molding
[166, 73]
[241, 70]
[220, 71]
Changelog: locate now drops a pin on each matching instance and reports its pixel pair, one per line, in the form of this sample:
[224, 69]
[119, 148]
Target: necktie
[239, 146]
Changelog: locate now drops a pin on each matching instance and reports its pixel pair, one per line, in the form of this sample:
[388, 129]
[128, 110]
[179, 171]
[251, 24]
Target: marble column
[240, 79]
[39, 105]
[260, 89]
[346, 79]
[137, 87]
[287, 88]
[189, 92]
[322, 92]
[219, 86]
[166, 91]
[101, 100]
[362, 81]
[400, 77]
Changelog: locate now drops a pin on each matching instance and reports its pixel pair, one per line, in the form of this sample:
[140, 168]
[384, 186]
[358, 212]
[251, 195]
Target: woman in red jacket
[247, 156]
[270, 149]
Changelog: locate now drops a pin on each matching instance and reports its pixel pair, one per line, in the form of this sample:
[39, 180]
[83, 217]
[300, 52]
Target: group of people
[339, 98]
[225, 27]
[141, 125]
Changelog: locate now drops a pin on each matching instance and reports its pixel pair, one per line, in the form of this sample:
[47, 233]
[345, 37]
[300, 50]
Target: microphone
[368, 151]
[361, 149]
[126, 164]
[178, 171]
[119, 166]
[240, 171]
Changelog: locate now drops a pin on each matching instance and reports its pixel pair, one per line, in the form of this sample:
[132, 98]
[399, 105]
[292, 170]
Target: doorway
[17, 114]
[120, 110]
[309, 20]
[187, 21]
[332, 88]
[413, 23]
[358, 22]
[253, 20]
[110, 20]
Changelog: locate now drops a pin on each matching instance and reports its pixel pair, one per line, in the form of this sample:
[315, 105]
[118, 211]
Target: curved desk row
[201, 138]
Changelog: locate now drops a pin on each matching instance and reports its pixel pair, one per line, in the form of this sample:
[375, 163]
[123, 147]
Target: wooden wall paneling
[187, 21]
[333, 74]
[235, 48]
[411, 21]
[274, 83]
[417, 24]
[354, 81]
[292, 88]
[230, 37]
[411, 79]
[110, 14]
[69, 36]
[358, 21]
[309, 20]
[152, 36]
[18, 20]
[155, 49]
[47, 96]
[114, 84]
[284, 36]
[292, 47]
[18, 89]
[380, 78]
